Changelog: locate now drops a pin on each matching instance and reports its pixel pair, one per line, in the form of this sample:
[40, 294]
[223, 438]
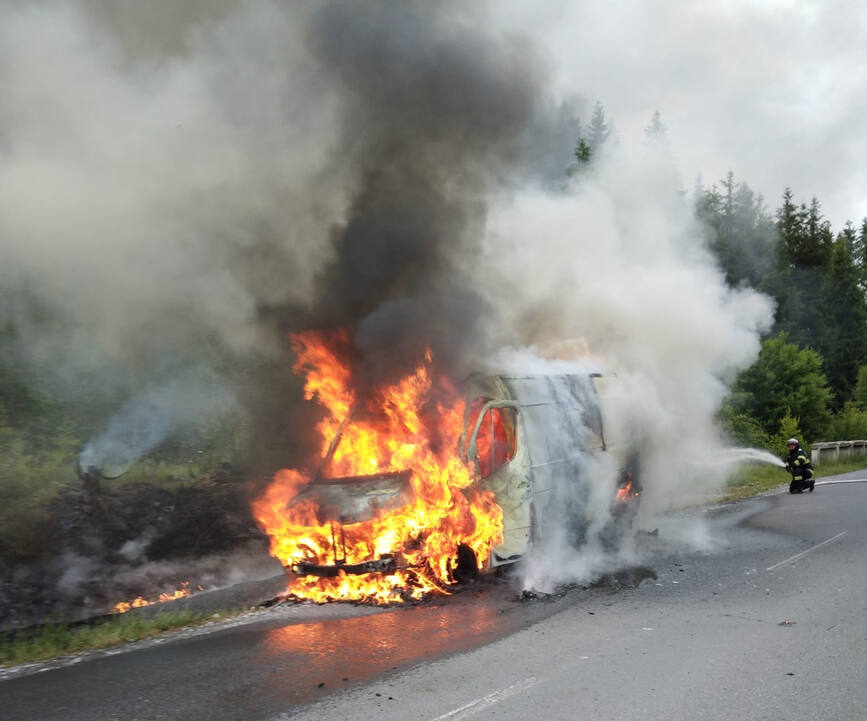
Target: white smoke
[146, 420]
[618, 261]
[89, 586]
[156, 195]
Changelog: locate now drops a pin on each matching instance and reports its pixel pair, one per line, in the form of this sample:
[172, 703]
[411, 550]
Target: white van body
[563, 423]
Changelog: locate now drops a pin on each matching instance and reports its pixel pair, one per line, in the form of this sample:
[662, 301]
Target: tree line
[810, 378]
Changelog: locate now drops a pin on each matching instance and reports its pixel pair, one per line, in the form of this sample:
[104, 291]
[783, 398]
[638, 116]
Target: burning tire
[624, 507]
[466, 569]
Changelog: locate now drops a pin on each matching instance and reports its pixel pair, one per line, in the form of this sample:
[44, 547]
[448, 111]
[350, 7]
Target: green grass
[30, 476]
[753, 479]
[55, 640]
[33, 474]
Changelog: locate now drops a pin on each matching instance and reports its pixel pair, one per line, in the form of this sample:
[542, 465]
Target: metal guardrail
[836, 449]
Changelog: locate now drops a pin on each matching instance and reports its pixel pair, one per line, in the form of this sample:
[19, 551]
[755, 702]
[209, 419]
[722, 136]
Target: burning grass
[141, 601]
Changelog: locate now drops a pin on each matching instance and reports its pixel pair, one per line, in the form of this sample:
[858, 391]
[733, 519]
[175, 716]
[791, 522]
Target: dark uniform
[801, 469]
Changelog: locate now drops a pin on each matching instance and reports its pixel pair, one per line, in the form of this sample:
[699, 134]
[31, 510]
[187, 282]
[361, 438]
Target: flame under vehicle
[533, 441]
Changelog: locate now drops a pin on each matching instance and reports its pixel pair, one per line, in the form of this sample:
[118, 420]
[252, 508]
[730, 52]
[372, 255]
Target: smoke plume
[194, 182]
[185, 183]
[617, 261]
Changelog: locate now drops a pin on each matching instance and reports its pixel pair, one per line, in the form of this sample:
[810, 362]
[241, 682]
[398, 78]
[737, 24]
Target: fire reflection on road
[340, 651]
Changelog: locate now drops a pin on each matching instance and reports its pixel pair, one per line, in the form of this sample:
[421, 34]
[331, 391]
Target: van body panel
[562, 421]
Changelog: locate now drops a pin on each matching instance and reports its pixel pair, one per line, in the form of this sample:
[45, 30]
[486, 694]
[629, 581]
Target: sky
[773, 90]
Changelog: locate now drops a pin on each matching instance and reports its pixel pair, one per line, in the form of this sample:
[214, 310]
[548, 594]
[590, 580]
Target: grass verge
[753, 479]
[50, 641]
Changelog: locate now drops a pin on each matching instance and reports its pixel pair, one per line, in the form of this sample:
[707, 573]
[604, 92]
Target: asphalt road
[769, 621]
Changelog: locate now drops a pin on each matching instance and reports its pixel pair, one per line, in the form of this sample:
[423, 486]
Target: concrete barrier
[836, 449]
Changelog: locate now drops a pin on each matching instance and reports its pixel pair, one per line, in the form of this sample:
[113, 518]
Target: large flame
[413, 425]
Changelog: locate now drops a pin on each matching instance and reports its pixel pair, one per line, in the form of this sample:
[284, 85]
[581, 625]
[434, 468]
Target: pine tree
[853, 243]
[859, 255]
[656, 133]
[583, 153]
[790, 225]
[599, 129]
[754, 236]
[591, 138]
[708, 202]
[816, 251]
[805, 251]
[843, 336]
[742, 234]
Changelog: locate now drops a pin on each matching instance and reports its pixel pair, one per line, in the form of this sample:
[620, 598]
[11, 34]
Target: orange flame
[393, 432]
[125, 606]
[624, 493]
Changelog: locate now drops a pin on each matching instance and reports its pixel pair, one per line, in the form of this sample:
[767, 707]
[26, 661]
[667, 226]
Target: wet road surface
[250, 671]
[708, 639]
[769, 623]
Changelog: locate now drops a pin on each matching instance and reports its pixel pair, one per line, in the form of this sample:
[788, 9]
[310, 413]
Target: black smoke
[433, 117]
[184, 186]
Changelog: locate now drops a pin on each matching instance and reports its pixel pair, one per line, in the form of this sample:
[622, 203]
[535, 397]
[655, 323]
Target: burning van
[422, 484]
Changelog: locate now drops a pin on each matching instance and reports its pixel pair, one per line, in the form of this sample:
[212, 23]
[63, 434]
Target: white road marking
[489, 700]
[804, 553]
[843, 480]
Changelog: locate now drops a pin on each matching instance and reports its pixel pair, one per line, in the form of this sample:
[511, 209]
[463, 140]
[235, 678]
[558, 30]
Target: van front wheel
[465, 569]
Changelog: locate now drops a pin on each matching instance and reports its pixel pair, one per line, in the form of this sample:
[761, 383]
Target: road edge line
[489, 700]
[794, 558]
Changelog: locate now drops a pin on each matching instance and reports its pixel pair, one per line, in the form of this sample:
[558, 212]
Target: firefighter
[800, 467]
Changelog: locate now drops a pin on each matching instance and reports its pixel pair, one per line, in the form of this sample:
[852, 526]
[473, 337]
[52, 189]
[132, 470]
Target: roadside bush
[789, 428]
[31, 473]
[742, 429]
[784, 379]
[849, 424]
[859, 395]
